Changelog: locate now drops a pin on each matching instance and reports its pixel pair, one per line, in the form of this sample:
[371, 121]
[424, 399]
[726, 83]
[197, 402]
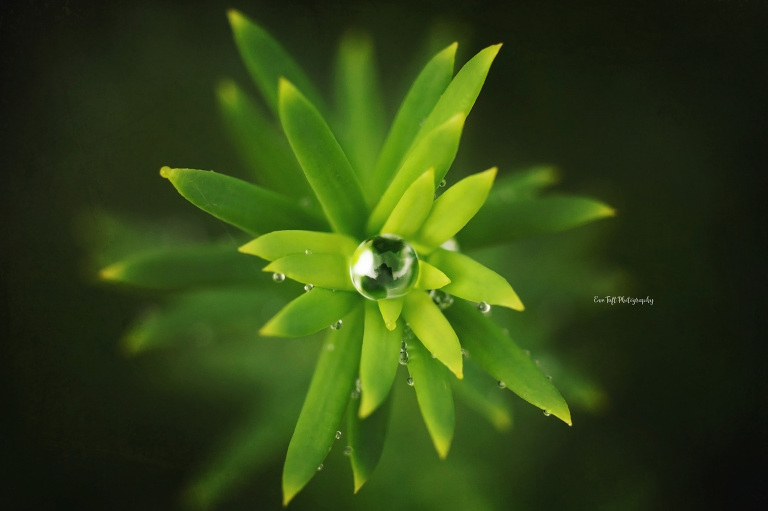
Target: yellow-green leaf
[435, 150]
[378, 363]
[418, 103]
[329, 271]
[473, 281]
[311, 312]
[433, 392]
[323, 161]
[454, 208]
[366, 437]
[277, 244]
[431, 277]
[427, 322]
[490, 347]
[244, 205]
[323, 409]
[412, 208]
[390, 309]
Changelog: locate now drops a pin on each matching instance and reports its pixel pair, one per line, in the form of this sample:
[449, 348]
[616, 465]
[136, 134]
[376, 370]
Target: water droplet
[348, 450]
[278, 277]
[403, 358]
[484, 307]
[403, 346]
[433, 355]
[337, 325]
[527, 352]
[549, 377]
[358, 385]
[443, 183]
[409, 381]
[384, 266]
[331, 347]
[547, 413]
[338, 435]
[502, 385]
[308, 252]
[320, 467]
[464, 353]
[309, 287]
[442, 299]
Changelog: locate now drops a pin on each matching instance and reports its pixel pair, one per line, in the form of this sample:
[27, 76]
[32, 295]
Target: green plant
[362, 222]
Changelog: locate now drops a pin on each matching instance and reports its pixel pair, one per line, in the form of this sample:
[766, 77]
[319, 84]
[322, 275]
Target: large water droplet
[278, 277]
[337, 325]
[338, 435]
[309, 287]
[484, 307]
[384, 266]
[409, 381]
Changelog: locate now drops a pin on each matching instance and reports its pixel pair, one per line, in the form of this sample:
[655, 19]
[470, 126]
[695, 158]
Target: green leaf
[390, 311]
[329, 271]
[309, 313]
[277, 244]
[185, 267]
[324, 406]
[504, 360]
[200, 316]
[412, 208]
[431, 277]
[481, 393]
[454, 208]
[359, 103]
[418, 103]
[462, 92]
[525, 184]
[324, 163]
[433, 392]
[267, 61]
[523, 218]
[246, 206]
[366, 438]
[262, 146]
[378, 363]
[436, 150]
[427, 322]
[473, 281]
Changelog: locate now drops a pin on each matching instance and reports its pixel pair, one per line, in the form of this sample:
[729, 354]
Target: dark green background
[658, 108]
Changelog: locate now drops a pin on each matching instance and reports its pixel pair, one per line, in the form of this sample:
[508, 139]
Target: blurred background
[659, 109]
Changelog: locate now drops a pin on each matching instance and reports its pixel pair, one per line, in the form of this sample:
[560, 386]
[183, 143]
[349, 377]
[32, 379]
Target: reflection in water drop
[409, 381]
[278, 277]
[384, 266]
[484, 307]
[502, 385]
[309, 287]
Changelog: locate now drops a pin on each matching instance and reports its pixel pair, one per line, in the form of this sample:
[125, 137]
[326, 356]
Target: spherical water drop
[464, 353]
[309, 287]
[442, 299]
[403, 346]
[308, 252]
[443, 183]
[403, 358]
[384, 266]
[278, 277]
[549, 377]
[337, 325]
[338, 435]
[320, 467]
[409, 381]
[484, 307]
[348, 450]
[502, 385]
[547, 413]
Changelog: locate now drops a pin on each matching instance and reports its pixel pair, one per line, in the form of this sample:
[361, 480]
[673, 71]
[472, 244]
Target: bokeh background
[657, 108]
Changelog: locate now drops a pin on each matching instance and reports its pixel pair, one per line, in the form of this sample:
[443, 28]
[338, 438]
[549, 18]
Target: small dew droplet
[403, 358]
[442, 183]
[502, 385]
[527, 352]
[549, 377]
[403, 346]
[547, 413]
[309, 287]
[433, 355]
[308, 252]
[331, 347]
[278, 277]
[464, 353]
[409, 381]
[348, 450]
[320, 467]
[337, 325]
[338, 435]
[484, 307]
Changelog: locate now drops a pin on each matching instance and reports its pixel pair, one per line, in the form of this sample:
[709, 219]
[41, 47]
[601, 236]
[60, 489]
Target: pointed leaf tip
[166, 172]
